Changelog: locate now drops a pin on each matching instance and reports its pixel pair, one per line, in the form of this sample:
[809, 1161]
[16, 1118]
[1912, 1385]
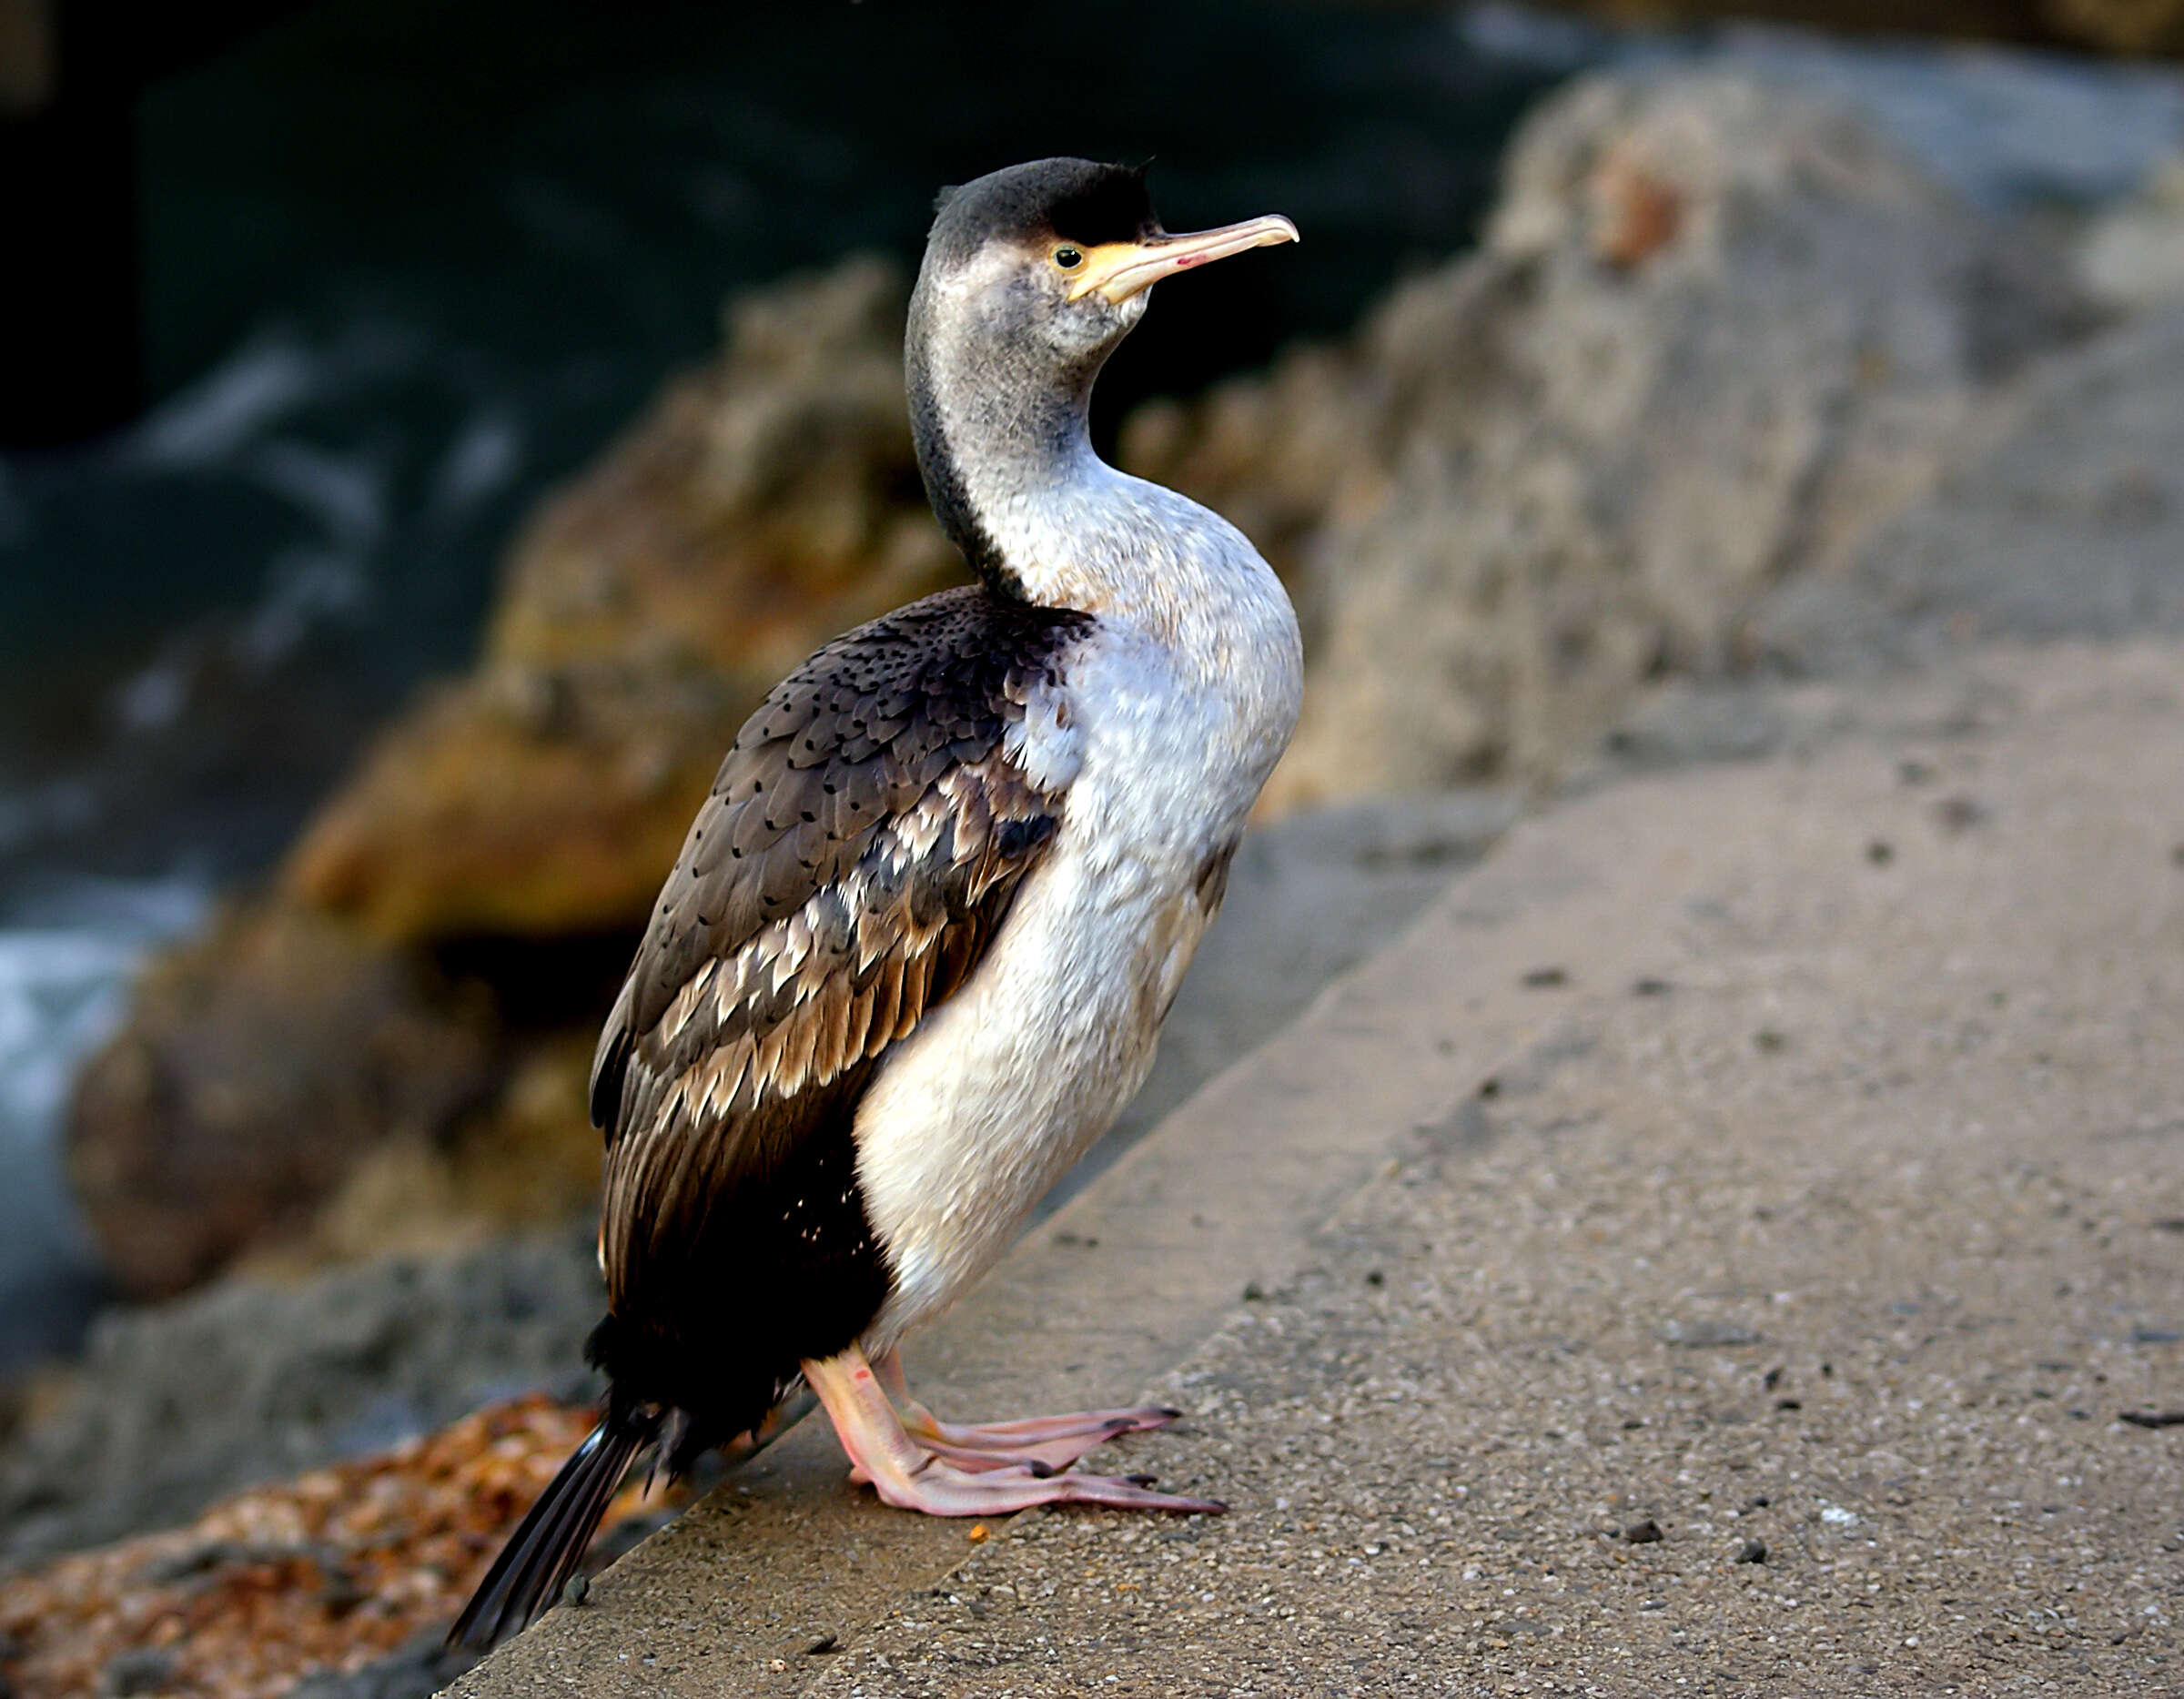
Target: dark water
[409, 264]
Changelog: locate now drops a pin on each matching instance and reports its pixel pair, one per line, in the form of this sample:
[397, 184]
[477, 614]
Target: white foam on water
[155, 698]
[265, 380]
[305, 588]
[66, 959]
[345, 493]
[482, 462]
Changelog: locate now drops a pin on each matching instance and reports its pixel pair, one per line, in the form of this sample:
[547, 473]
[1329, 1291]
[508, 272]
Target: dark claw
[1039, 1471]
[1170, 1411]
[1141, 1481]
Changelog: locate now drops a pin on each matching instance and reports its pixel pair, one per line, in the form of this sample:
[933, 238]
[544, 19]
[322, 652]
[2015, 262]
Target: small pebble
[1752, 1551]
[1646, 1532]
[826, 1642]
[1880, 853]
[979, 1531]
[576, 1590]
[1546, 978]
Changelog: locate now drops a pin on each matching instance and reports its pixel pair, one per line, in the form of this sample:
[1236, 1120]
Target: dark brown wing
[862, 843]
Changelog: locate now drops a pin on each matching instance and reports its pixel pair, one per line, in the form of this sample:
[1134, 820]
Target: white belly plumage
[976, 1116]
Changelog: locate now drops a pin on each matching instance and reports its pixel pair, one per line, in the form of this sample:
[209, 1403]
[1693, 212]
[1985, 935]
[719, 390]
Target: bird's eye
[1067, 258]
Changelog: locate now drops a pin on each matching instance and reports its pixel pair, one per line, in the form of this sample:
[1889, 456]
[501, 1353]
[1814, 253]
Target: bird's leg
[915, 1475]
[1056, 1442]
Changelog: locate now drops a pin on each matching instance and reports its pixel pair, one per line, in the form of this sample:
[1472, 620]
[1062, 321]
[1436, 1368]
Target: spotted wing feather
[862, 843]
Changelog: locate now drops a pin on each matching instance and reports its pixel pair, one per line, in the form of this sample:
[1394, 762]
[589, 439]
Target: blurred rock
[2133, 256]
[259, 1064]
[2063, 516]
[765, 503]
[252, 1381]
[533, 1158]
[2008, 130]
[2134, 27]
[1717, 331]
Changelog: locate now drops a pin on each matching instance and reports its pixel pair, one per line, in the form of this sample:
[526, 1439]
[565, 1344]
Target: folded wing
[861, 846]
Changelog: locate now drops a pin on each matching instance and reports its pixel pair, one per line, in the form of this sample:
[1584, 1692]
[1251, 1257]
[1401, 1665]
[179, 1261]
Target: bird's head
[1040, 269]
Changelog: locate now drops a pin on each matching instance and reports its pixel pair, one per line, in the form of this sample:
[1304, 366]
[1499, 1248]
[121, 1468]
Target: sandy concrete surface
[1784, 1158]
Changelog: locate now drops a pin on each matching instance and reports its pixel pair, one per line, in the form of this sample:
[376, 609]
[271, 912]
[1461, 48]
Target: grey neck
[991, 433]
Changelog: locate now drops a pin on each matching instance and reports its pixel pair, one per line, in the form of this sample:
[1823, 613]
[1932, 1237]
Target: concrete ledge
[1561, 922]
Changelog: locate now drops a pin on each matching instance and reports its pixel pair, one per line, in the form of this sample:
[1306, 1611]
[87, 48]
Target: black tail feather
[546, 1548]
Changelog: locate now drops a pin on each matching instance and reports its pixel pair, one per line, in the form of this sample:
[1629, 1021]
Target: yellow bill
[1120, 269]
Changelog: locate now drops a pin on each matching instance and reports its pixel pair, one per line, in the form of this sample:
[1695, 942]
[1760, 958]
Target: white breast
[974, 1118]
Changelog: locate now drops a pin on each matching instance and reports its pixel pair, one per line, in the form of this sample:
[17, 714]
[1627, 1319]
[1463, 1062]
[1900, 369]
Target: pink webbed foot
[950, 1470]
